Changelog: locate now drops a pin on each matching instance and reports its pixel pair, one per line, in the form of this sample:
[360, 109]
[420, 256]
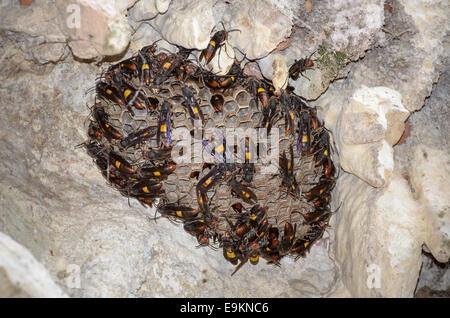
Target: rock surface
[187, 17]
[391, 200]
[383, 233]
[21, 275]
[378, 237]
[424, 159]
[146, 10]
[366, 124]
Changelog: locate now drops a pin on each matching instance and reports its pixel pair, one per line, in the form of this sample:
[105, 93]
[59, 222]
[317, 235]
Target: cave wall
[391, 199]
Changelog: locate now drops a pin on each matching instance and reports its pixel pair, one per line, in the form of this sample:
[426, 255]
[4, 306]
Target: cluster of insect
[131, 140]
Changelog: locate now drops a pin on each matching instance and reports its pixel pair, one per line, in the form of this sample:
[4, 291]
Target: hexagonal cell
[232, 122]
[172, 196]
[176, 87]
[139, 113]
[180, 115]
[218, 118]
[164, 94]
[114, 108]
[128, 129]
[183, 185]
[243, 112]
[254, 104]
[171, 182]
[204, 94]
[256, 118]
[177, 99]
[116, 123]
[126, 118]
[183, 172]
[230, 106]
[206, 109]
[243, 98]
[217, 101]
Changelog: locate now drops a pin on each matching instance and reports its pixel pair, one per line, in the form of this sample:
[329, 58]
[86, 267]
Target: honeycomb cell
[232, 122]
[217, 101]
[243, 113]
[243, 98]
[128, 129]
[177, 100]
[176, 87]
[164, 94]
[206, 109]
[230, 107]
[205, 94]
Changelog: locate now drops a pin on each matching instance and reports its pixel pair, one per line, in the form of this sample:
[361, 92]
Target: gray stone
[378, 237]
[186, 18]
[21, 275]
[148, 9]
[423, 158]
[54, 201]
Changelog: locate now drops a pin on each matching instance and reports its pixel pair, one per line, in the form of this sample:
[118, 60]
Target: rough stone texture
[280, 73]
[366, 125]
[337, 27]
[271, 26]
[46, 29]
[424, 159]
[262, 27]
[145, 35]
[9, 289]
[379, 228]
[378, 233]
[187, 17]
[21, 275]
[102, 31]
[148, 9]
[407, 62]
[54, 201]
[41, 42]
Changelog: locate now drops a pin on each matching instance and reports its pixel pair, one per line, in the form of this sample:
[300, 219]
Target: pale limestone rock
[371, 162]
[347, 34]
[365, 127]
[262, 27]
[312, 83]
[24, 271]
[122, 254]
[117, 38]
[146, 35]
[423, 158]
[110, 8]
[338, 27]
[410, 56]
[429, 175]
[36, 31]
[373, 114]
[378, 237]
[96, 28]
[162, 5]
[194, 19]
[148, 9]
